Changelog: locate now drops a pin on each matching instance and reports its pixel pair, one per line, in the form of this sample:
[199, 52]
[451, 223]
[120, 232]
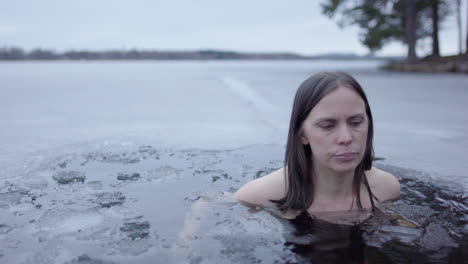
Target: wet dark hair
[298, 162]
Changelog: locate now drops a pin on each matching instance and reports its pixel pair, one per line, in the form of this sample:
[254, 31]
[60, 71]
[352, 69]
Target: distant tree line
[407, 21]
[15, 53]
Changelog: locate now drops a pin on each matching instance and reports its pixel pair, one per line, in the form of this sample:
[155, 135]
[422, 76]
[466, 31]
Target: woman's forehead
[342, 101]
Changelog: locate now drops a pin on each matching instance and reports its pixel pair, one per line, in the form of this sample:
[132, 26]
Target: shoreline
[448, 64]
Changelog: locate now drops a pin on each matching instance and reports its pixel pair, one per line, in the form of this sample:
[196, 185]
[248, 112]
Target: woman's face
[336, 130]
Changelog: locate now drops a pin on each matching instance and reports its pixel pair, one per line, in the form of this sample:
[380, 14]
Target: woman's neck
[332, 186]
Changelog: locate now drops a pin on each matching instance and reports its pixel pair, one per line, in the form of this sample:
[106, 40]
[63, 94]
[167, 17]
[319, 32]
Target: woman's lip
[348, 156]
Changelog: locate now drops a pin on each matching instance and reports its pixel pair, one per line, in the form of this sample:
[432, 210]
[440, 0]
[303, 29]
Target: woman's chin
[344, 168]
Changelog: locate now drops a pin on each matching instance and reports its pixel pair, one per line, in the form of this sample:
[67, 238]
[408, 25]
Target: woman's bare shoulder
[260, 191]
[384, 185]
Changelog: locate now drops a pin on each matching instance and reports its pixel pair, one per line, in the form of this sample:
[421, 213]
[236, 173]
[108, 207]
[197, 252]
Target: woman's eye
[326, 126]
[356, 123]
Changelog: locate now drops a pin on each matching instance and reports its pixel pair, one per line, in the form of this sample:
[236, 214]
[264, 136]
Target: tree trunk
[435, 28]
[466, 47]
[459, 25]
[410, 28]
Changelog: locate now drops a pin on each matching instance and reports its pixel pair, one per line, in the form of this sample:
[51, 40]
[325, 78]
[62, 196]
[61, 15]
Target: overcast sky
[241, 25]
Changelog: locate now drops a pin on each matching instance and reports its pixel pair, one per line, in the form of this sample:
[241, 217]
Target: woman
[329, 153]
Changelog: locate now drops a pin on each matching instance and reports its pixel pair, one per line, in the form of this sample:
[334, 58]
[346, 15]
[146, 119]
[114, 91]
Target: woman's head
[311, 114]
[331, 128]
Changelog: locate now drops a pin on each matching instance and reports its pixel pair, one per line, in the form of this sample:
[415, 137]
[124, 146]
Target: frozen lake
[104, 162]
[421, 120]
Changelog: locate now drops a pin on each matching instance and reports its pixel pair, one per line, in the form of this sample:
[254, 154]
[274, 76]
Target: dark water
[142, 204]
[427, 225]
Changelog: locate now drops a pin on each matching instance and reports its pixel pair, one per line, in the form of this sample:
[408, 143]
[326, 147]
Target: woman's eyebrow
[325, 119]
[360, 115]
[330, 119]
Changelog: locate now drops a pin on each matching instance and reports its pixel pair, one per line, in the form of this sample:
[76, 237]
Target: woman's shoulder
[384, 185]
[261, 190]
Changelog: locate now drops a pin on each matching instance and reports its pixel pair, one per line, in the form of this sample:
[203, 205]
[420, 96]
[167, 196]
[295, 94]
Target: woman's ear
[304, 140]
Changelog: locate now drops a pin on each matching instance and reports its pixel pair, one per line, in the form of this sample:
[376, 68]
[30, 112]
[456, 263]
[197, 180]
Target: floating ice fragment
[128, 176]
[85, 259]
[109, 199]
[136, 230]
[66, 177]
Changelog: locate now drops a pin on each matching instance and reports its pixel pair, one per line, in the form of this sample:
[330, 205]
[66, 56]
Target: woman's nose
[345, 136]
